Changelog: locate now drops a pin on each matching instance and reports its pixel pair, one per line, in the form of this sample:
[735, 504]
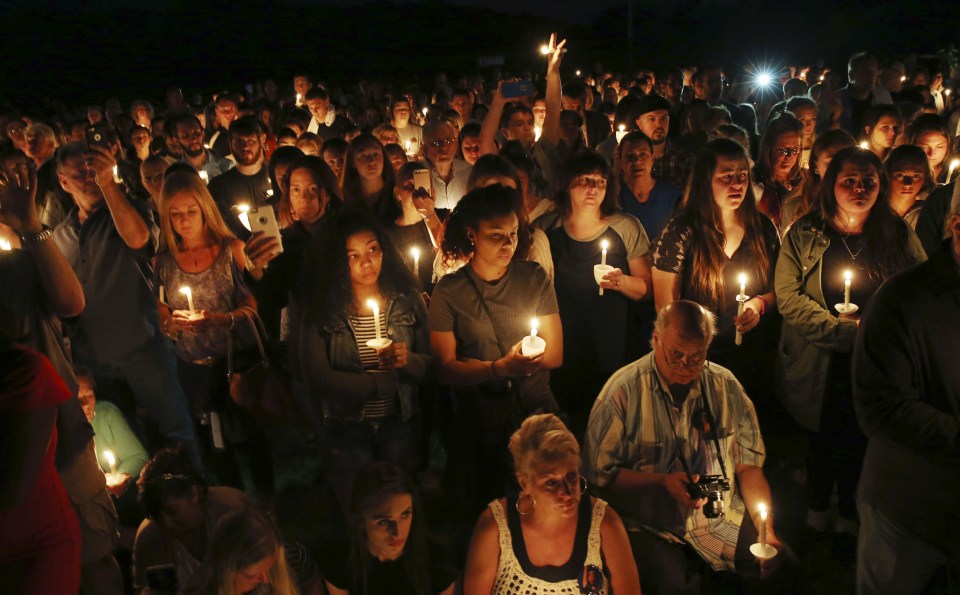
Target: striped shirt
[364, 331]
[631, 427]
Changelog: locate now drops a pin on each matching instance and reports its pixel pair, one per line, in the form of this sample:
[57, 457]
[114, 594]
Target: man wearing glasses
[654, 430]
[449, 175]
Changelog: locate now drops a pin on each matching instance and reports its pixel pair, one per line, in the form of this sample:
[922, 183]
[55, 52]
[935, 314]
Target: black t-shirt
[838, 258]
[384, 577]
[233, 188]
[573, 567]
[858, 109]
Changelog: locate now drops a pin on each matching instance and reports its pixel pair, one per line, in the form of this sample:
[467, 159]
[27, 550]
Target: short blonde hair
[542, 438]
[184, 181]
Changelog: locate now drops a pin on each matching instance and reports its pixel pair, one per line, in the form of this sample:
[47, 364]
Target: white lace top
[511, 579]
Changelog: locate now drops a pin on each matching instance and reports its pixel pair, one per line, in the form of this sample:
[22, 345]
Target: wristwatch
[28, 239]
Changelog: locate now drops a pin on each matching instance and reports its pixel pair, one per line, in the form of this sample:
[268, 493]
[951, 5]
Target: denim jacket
[331, 366]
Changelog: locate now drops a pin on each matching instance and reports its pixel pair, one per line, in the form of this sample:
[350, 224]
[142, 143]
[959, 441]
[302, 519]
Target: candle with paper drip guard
[762, 550]
[113, 478]
[953, 167]
[415, 252]
[599, 270]
[621, 132]
[189, 293]
[741, 300]
[846, 307]
[532, 344]
[380, 342]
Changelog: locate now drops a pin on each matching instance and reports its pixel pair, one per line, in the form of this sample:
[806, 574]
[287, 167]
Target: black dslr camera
[710, 487]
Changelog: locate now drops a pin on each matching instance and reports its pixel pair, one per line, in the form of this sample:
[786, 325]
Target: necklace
[853, 257]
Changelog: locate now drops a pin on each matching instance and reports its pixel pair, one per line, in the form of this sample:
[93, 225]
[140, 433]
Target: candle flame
[415, 252]
[743, 279]
[763, 511]
[623, 128]
[903, 79]
[955, 164]
[847, 276]
[864, 145]
[243, 208]
[537, 131]
[185, 290]
[578, 73]
[372, 304]
[604, 244]
[111, 459]
[425, 110]
[545, 49]
[5, 245]
[534, 324]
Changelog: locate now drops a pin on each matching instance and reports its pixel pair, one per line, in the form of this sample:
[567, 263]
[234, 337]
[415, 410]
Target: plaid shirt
[674, 167]
[630, 427]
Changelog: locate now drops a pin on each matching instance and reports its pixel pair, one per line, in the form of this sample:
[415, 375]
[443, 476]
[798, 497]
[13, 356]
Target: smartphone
[99, 135]
[262, 219]
[517, 89]
[163, 579]
[421, 179]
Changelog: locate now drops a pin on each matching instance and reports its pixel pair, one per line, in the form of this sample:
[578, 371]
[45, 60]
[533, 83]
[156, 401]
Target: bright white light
[764, 79]
[545, 49]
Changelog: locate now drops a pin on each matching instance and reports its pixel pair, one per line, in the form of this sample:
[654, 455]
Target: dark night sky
[93, 48]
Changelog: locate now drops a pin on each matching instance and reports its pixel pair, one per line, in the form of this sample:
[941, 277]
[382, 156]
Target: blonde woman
[552, 537]
[198, 251]
[245, 556]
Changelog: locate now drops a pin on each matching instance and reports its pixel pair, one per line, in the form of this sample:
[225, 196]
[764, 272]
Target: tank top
[512, 574]
[213, 290]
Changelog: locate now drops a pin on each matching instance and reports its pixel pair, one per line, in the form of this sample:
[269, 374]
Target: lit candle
[532, 344]
[741, 300]
[244, 215]
[373, 305]
[864, 145]
[545, 50]
[189, 293]
[947, 92]
[406, 145]
[204, 176]
[5, 245]
[603, 251]
[116, 175]
[578, 73]
[763, 526]
[621, 132]
[953, 167]
[299, 99]
[603, 268]
[206, 146]
[903, 79]
[416, 259]
[847, 278]
[425, 110]
[269, 192]
[537, 131]
[111, 461]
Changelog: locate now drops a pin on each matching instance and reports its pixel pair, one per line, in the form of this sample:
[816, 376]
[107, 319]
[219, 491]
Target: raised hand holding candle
[189, 293]
[741, 300]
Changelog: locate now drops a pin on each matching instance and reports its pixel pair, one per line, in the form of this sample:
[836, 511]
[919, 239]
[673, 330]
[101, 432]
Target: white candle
[763, 526]
[603, 251]
[204, 176]
[416, 259]
[299, 99]
[621, 132]
[111, 461]
[406, 145]
[163, 296]
[189, 293]
[537, 131]
[116, 175]
[847, 278]
[741, 300]
[953, 167]
[244, 215]
[373, 305]
[532, 345]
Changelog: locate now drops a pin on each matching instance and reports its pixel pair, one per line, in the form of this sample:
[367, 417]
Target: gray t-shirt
[523, 293]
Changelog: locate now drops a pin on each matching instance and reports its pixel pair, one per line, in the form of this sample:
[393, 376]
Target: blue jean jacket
[331, 366]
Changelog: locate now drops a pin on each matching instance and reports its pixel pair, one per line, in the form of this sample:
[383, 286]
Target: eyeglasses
[692, 361]
[442, 142]
[598, 183]
[787, 151]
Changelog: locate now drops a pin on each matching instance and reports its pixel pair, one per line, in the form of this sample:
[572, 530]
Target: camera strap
[710, 419]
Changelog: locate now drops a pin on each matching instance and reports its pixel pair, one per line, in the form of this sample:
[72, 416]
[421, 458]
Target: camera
[710, 487]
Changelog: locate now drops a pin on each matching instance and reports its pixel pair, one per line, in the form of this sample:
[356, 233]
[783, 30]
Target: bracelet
[34, 239]
[232, 321]
[763, 304]
[164, 326]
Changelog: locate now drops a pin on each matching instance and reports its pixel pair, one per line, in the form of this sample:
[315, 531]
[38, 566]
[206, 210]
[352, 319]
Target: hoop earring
[583, 485]
[533, 504]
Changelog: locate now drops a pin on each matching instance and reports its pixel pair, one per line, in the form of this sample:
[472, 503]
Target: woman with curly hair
[367, 392]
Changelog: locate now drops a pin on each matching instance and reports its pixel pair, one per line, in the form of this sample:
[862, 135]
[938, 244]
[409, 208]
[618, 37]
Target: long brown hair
[190, 183]
[702, 215]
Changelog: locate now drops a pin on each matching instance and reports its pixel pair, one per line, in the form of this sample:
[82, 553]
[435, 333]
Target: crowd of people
[632, 312]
